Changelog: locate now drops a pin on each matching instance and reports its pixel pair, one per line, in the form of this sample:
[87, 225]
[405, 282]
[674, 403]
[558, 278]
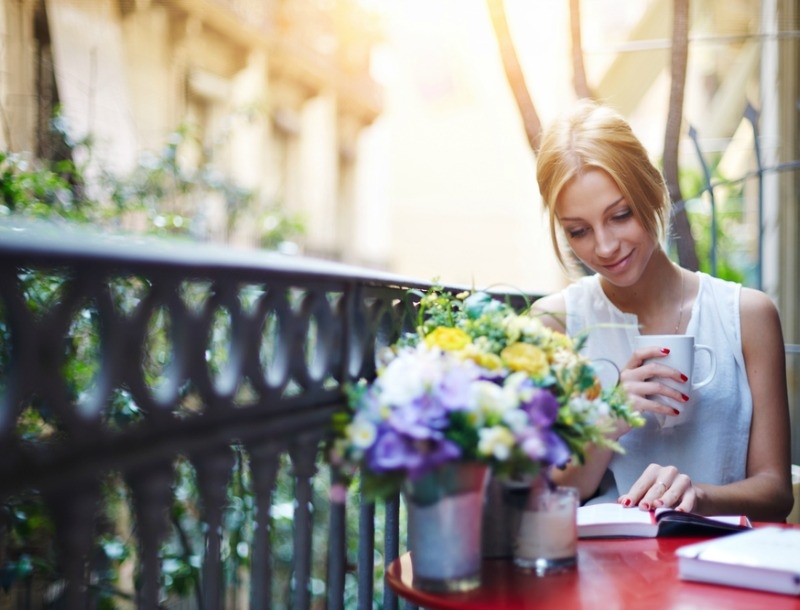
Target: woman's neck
[657, 299]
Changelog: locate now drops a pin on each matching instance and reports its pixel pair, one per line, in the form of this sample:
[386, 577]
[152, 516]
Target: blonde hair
[592, 136]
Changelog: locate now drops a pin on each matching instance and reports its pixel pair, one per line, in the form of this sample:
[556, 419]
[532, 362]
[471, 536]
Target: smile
[619, 265]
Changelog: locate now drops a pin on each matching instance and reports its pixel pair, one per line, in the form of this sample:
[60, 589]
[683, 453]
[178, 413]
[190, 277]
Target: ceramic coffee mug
[682, 351]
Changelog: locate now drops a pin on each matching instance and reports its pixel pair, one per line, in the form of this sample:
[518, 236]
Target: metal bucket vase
[445, 518]
[502, 515]
[532, 522]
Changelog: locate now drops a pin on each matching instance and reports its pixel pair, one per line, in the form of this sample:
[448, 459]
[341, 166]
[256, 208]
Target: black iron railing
[136, 359]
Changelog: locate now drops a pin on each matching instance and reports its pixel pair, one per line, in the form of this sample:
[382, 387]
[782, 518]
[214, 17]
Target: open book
[614, 520]
[766, 558]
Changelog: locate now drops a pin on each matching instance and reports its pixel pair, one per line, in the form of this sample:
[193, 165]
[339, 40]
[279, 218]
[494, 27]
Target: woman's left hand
[661, 486]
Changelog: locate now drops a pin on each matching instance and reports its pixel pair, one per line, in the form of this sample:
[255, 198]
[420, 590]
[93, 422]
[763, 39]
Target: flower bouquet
[478, 388]
[477, 382]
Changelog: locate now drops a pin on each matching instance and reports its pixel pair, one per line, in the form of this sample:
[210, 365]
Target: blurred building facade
[391, 130]
[280, 90]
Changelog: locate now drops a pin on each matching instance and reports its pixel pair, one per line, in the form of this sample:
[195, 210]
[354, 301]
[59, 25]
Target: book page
[613, 513]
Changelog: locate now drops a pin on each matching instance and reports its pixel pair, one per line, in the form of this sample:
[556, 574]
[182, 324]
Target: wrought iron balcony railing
[127, 360]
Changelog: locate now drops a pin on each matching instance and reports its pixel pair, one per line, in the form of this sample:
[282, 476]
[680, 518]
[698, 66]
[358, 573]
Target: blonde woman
[609, 204]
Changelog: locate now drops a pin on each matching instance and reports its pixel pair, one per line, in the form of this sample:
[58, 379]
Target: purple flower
[542, 408]
[422, 419]
[392, 451]
[454, 389]
[544, 445]
[438, 453]
[558, 452]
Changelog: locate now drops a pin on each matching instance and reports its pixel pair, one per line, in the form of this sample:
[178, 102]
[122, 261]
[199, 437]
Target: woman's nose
[605, 243]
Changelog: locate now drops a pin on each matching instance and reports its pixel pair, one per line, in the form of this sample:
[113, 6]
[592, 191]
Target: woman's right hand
[640, 379]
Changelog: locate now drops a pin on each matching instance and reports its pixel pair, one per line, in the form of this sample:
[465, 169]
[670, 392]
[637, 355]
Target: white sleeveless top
[711, 447]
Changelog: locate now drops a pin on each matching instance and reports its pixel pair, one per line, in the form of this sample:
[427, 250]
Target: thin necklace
[680, 309]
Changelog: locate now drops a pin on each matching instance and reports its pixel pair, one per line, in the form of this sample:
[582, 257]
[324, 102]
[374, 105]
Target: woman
[610, 204]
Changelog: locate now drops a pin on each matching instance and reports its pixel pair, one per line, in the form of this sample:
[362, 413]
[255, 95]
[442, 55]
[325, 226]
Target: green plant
[728, 244]
[166, 193]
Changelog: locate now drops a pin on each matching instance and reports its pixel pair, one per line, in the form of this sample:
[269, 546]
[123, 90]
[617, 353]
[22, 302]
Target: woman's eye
[573, 233]
[622, 215]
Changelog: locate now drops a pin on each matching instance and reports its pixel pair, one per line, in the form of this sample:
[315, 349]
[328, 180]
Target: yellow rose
[560, 340]
[448, 339]
[488, 361]
[526, 358]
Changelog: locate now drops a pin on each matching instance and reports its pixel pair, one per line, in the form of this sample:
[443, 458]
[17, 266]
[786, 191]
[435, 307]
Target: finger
[641, 370]
[641, 394]
[654, 496]
[642, 354]
[642, 485]
[662, 481]
[687, 501]
[687, 493]
[680, 488]
[672, 494]
[654, 370]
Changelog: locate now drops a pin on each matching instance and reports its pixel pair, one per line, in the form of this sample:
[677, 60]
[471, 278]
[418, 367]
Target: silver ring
[662, 483]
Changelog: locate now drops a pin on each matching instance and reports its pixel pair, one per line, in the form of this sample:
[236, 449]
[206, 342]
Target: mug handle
[710, 376]
[607, 372]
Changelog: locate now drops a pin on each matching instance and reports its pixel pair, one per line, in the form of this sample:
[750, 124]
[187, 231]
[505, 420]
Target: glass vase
[547, 538]
[445, 512]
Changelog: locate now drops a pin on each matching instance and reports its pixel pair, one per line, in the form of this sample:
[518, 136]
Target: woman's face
[602, 229]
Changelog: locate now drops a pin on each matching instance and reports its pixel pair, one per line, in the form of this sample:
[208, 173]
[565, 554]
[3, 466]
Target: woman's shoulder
[576, 299]
[552, 310]
[749, 301]
[583, 287]
[756, 305]
[718, 283]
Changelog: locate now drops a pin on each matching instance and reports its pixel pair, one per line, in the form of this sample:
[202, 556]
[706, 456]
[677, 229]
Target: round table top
[630, 573]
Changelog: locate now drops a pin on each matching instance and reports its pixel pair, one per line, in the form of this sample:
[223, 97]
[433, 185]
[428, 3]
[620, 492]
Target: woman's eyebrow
[608, 207]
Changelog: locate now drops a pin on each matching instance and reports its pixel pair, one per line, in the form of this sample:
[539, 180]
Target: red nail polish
[685, 398]
[665, 350]
[626, 502]
[676, 412]
[684, 377]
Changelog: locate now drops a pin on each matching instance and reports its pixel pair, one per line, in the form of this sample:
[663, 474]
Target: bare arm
[766, 493]
[586, 477]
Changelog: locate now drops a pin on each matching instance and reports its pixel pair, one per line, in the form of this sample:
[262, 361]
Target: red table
[640, 574]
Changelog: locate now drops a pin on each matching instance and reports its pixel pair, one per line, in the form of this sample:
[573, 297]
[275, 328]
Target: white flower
[533, 447]
[489, 398]
[516, 419]
[565, 358]
[591, 410]
[524, 326]
[362, 432]
[409, 375]
[496, 442]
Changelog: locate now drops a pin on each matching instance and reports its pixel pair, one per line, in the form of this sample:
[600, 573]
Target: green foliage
[28, 545]
[463, 433]
[733, 262]
[730, 262]
[166, 194]
[38, 189]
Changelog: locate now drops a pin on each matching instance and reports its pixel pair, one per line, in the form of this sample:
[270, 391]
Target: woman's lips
[618, 266]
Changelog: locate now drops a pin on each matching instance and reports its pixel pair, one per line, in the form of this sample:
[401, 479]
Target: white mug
[682, 350]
